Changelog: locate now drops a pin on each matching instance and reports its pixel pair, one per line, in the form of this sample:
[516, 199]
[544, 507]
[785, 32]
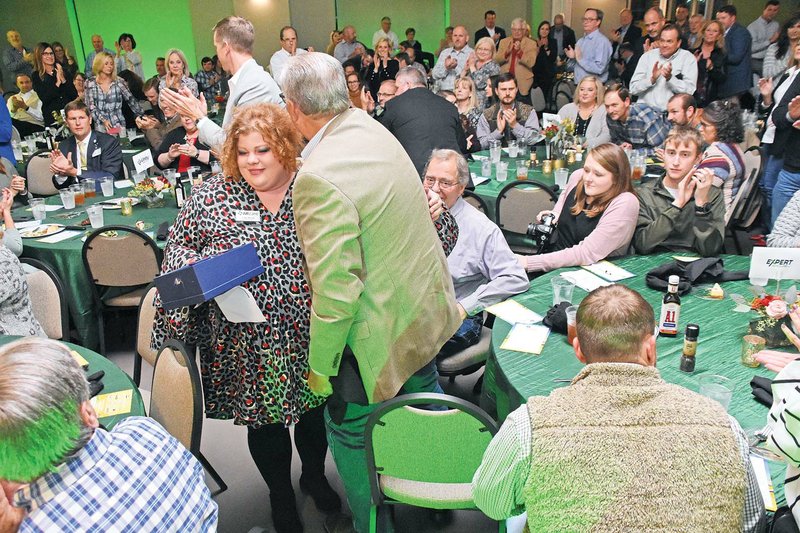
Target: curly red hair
[273, 124]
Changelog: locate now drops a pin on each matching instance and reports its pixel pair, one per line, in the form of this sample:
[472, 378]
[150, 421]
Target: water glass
[522, 169]
[139, 176]
[486, 168]
[17, 149]
[216, 167]
[513, 149]
[562, 175]
[131, 133]
[751, 345]
[502, 171]
[169, 174]
[67, 198]
[107, 186]
[572, 330]
[95, 213]
[123, 133]
[38, 209]
[494, 151]
[718, 388]
[562, 290]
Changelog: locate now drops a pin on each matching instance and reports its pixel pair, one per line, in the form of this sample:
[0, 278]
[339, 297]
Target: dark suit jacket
[632, 37]
[104, 158]
[569, 37]
[738, 44]
[483, 32]
[422, 121]
[787, 138]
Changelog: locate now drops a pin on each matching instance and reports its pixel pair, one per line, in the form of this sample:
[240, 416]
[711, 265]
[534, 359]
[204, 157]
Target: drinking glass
[169, 173]
[494, 151]
[572, 331]
[502, 171]
[95, 213]
[89, 188]
[77, 193]
[38, 209]
[717, 388]
[522, 169]
[123, 133]
[562, 290]
[486, 168]
[513, 148]
[216, 167]
[562, 175]
[107, 186]
[67, 198]
[751, 345]
[131, 133]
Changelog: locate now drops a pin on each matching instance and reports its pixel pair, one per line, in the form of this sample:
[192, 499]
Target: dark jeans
[468, 333]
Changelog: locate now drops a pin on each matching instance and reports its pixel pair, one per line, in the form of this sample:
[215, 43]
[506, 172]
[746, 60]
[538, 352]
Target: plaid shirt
[136, 478]
[108, 105]
[646, 128]
[204, 84]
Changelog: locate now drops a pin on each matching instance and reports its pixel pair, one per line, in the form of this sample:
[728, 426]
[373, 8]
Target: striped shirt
[783, 427]
[498, 484]
[107, 106]
[726, 160]
[135, 478]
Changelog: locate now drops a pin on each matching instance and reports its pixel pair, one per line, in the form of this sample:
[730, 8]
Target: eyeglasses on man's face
[443, 184]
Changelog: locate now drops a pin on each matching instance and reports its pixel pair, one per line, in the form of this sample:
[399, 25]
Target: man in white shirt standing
[25, 107]
[288, 49]
[452, 60]
[764, 31]
[386, 33]
[664, 71]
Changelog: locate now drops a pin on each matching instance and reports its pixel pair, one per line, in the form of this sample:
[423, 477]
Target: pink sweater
[611, 237]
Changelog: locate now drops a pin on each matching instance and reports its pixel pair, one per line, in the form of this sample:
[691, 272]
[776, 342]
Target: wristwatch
[702, 210]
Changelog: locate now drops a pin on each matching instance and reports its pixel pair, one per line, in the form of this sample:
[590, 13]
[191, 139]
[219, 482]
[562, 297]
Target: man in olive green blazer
[379, 281]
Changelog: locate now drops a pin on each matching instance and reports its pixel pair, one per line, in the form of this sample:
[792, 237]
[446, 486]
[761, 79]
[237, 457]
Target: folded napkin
[762, 390]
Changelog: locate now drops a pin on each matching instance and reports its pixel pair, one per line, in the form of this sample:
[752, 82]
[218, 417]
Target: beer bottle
[180, 194]
[670, 309]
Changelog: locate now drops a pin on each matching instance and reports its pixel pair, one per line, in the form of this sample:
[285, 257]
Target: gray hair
[315, 82]
[446, 154]
[411, 76]
[38, 376]
[519, 22]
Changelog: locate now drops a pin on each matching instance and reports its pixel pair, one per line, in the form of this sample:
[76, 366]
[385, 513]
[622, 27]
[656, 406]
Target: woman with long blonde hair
[178, 75]
[596, 214]
[336, 38]
[711, 59]
[383, 67]
[588, 112]
[104, 94]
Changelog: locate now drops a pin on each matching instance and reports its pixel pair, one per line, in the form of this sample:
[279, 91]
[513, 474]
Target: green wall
[155, 24]
[428, 18]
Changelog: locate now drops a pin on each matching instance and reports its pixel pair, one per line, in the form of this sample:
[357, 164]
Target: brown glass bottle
[670, 310]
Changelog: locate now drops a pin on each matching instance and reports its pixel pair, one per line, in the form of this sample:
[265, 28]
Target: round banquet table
[114, 380]
[511, 377]
[65, 256]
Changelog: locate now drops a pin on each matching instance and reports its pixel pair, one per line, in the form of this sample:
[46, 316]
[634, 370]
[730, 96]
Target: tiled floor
[245, 505]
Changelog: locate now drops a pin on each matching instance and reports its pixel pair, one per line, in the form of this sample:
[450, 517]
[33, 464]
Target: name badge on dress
[97, 152]
[246, 215]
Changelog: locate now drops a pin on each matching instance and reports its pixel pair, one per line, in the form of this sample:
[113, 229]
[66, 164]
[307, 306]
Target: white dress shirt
[683, 79]
[278, 61]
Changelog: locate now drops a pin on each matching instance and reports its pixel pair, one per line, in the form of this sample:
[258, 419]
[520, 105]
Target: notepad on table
[514, 312]
[528, 338]
[609, 271]
[79, 358]
[585, 279]
[113, 403]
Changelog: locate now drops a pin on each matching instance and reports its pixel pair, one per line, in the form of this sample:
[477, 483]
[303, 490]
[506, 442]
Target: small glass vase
[153, 200]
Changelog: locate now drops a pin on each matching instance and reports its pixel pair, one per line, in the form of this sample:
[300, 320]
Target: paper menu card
[79, 358]
[761, 470]
[514, 312]
[60, 236]
[585, 279]
[113, 403]
[528, 338]
[609, 271]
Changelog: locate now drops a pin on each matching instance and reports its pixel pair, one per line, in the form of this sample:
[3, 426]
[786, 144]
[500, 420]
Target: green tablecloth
[65, 256]
[511, 377]
[115, 380]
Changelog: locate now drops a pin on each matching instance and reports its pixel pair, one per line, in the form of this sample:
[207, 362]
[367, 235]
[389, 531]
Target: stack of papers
[585, 279]
[527, 338]
[609, 271]
[514, 313]
[113, 403]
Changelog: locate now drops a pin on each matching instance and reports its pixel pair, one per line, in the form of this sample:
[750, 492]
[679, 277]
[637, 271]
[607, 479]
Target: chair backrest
[48, 301]
[518, 203]
[406, 442]
[538, 99]
[476, 201]
[175, 397]
[747, 204]
[37, 172]
[754, 160]
[128, 259]
[144, 325]
[15, 136]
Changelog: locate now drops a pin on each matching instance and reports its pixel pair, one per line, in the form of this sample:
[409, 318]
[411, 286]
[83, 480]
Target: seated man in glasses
[87, 154]
[61, 472]
[620, 449]
[483, 267]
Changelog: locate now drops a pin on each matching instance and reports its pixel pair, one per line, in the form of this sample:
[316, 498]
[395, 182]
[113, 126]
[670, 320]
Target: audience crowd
[356, 159]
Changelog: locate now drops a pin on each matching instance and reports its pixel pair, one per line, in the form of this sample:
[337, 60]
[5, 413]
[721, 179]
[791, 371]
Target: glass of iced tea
[572, 330]
[77, 191]
[89, 188]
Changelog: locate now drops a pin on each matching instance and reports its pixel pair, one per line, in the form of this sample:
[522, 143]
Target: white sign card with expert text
[775, 263]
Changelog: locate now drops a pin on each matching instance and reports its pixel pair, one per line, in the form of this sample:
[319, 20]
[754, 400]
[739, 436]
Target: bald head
[460, 37]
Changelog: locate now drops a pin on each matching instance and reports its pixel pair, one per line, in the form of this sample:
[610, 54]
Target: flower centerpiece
[773, 311]
[550, 133]
[151, 191]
